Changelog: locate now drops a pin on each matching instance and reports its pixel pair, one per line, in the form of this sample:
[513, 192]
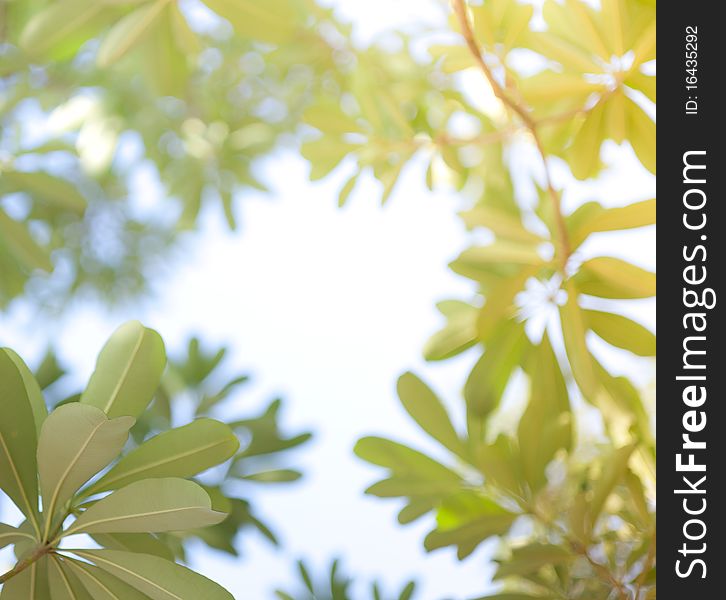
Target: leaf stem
[39, 553]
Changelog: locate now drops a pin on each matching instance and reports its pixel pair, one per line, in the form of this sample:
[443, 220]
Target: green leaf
[408, 591]
[621, 332]
[490, 375]
[128, 32]
[61, 28]
[613, 25]
[49, 371]
[151, 505]
[76, 442]
[496, 253]
[595, 218]
[500, 303]
[21, 245]
[30, 584]
[53, 190]
[402, 460]
[416, 509]
[584, 154]
[18, 441]
[32, 389]
[128, 371]
[159, 579]
[574, 331]
[546, 425]
[608, 277]
[641, 132]
[274, 476]
[413, 487]
[500, 464]
[64, 585]
[458, 334]
[271, 21]
[100, 584]
[346, 190]
[642, 83]
[467, 520]
[12, 535]
[614, 471]
[167, 48]
[180, 452]
[500, 223]
[427, 410]
[532, 557]
[324, 155]
[142, 543]
[328, 117]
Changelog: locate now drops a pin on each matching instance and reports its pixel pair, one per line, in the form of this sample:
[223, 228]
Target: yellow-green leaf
[62, 27]
[64, 585]
[159, 579]
[490, 375]
[641, 132]
[32, 389]
[21, 245]
[129, 32]
[30, 584]
[12, 535]
[573, 332]
[584, 154]
[500, 223]
[18, 440]
[100, 584]
[428, 411]
[76, 442]
[128, 371]
[621, 332]
[48, 188]
[180, 452]
[546, 425]
[151, 505]
[638, 214]
[273, 21]
[457, 335]
[609, 277]
[614, 470]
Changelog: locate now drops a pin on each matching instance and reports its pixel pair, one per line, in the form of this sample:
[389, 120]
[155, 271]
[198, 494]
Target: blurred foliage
[125, 91]
[337, 587]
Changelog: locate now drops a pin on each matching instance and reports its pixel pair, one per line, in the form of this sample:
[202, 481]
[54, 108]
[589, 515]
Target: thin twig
[460, 10]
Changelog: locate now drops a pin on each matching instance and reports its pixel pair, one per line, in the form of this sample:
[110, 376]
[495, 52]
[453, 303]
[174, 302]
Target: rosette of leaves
[336, 586]
[199, 378]
[597, 83]
[57, 457]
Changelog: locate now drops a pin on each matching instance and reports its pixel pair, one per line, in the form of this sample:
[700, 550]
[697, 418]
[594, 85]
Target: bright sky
[327, 307]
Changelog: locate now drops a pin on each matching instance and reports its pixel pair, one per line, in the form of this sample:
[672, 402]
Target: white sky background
[327, 307]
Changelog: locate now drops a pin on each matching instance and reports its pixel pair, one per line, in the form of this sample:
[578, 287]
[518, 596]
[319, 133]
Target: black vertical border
[679, 132]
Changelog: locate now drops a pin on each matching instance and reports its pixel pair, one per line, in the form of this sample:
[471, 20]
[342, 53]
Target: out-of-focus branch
[460, 10]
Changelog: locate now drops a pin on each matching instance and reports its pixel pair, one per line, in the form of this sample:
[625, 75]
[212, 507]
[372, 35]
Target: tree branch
[26, 562]
[460, 10]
